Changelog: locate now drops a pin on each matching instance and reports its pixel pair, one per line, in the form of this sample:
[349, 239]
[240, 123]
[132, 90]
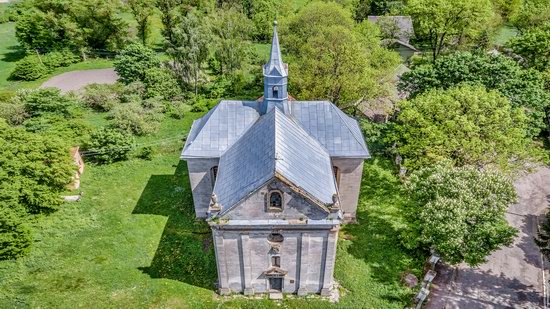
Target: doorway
[276, 284]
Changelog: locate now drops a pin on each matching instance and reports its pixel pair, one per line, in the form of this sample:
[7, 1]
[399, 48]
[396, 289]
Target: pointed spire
[275, 58]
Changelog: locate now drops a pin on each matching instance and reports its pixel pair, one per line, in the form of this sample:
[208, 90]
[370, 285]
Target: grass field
[133, 242]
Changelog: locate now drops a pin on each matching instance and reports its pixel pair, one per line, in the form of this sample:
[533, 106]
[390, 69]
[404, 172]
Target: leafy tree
[189, 50]
[38, 102]
[15, 236]
[232, 48]
[161, 83]
[133, 61]
[170, 14]
[340, 61]
[524, 88]
[459, 212]
[363, 8]
[532, 13]
[263, 13]
[34, 170]
[543, 238]
[79, 24]
[142, 11]
[101, 97]
[442, 23]
[109, 145]
[534, 46]
[465, 124]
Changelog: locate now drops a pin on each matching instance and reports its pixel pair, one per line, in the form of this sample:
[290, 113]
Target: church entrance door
[276, 284]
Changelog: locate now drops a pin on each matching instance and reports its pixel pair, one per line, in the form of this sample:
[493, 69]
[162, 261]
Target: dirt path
[513, 277]
[75, 80]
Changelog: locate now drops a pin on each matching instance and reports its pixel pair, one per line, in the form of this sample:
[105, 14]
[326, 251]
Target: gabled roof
[337, 132]
[216, 131]
[275, 147]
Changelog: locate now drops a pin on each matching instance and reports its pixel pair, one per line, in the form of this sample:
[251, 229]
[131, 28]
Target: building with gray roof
[275, 178]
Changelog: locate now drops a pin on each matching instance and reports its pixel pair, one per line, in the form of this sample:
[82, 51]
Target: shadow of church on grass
[185, 252]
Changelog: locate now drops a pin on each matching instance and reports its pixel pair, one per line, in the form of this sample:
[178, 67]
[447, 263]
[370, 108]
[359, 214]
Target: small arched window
[275, 201]
[214, 174]
[275, 92]
[275, 237]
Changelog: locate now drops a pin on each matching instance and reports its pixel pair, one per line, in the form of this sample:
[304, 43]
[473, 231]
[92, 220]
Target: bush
[61, 58]
[132, 118]
[459, 212]
[109, 145]
[47, 100]
[146, 153]
[133, 92]
[161, 83]
[101, 97]
[133, 61]
[15, 236]
[177, 109]
[201, 104]
[29, 68]
[14, 114]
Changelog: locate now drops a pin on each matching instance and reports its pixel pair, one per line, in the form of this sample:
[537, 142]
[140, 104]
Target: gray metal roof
[216, 131]
[276, 146]
[336, 131]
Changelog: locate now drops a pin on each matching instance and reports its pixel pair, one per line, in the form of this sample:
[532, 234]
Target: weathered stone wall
[201, 183]
[294, 206]
[307, 256]
[351, 171]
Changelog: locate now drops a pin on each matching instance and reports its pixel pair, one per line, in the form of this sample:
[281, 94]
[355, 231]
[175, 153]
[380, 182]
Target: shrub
[161, 83]
[133, 92]
[101, 97]
[201, 104]
[46, 100]
[459, 212]
[15, 236]
[14, 114]
[132, 118]
[29, 68]
[133, 61]
[146, 153]
[177, 109]
[61, 58]
[109, 145]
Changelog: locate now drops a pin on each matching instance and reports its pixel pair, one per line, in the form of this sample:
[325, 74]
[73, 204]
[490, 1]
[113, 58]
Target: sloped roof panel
[336, 131]
[216, 131]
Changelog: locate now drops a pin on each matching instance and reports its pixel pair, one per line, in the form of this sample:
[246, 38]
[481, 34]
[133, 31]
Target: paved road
[514, 277]
[77, 79]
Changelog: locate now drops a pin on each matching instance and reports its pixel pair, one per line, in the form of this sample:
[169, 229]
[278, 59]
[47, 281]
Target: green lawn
[133, 242]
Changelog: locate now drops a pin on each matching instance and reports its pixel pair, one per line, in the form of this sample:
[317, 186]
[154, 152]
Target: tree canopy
[523, 88]
[534, 46]
[459, 212]
[465, 124]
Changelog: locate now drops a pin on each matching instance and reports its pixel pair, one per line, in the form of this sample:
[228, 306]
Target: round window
[275, 237]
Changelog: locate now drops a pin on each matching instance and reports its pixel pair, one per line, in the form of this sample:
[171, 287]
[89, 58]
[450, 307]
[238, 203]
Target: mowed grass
[133, 242]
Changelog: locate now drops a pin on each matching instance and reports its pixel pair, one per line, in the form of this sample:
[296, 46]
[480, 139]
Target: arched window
[275, 201]
[275, 237]
[214, 174]
[275, 92]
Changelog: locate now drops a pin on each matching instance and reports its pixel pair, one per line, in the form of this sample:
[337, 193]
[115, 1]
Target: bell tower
[275, 79]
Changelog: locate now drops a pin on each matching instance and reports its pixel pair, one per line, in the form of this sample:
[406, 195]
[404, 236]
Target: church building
[275, 178]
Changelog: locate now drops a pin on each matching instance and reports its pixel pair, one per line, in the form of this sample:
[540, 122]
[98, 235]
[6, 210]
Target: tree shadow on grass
[376, 238]
[185, 252]
[14, 54]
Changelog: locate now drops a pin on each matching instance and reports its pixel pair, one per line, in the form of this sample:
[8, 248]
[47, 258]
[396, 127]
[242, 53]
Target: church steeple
[275, 78]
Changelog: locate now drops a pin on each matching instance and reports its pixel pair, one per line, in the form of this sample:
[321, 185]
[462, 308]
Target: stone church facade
[275, 178]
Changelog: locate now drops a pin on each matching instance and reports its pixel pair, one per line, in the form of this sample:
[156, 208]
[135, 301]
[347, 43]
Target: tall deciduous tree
[444, 23]
[190, 49]
[524, 88]
[532, 13]
[465, 124]
[459, 212]
[133, 61]
[534, 46]
[142, 11]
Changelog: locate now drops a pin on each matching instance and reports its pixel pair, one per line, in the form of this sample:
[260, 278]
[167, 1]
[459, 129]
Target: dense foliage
[15, 236]
[133, 61]
[35, 66]
[446, 23]
[464, 124]
[77, 24]
[523, 88]
[534, 46]
[109, 145]
[459, 212]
